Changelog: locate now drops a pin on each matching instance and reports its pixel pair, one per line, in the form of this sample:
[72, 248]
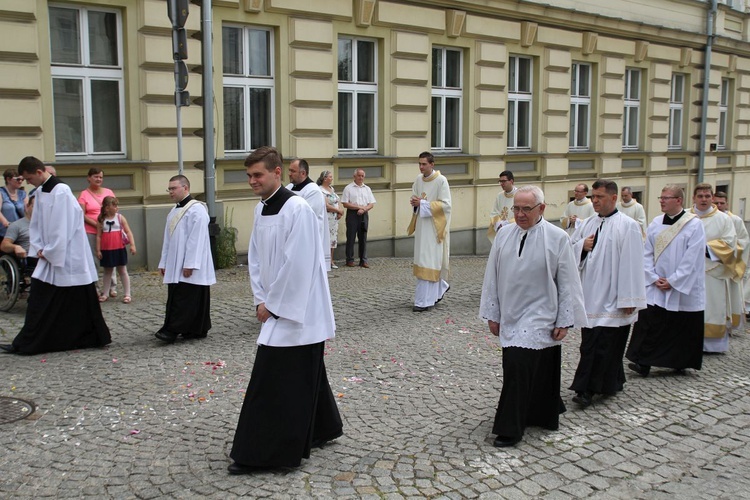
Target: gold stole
[665, 237]
[438, 216]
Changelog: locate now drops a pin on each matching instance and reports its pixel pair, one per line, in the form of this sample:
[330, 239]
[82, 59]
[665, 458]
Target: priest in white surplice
[669, 332]
[302, 185]
[501, 214]
[609, 253]
[187, 266]
[742, 252]
[288, 407]
[430, 224]
[531, 296]
[630, 207]
[63, 310]
[721, 239]
[577, 210]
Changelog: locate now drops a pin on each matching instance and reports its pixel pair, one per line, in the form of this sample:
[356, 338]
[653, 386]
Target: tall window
[358, 94]
[632, 111]
[87, 81]
[247, 64]
[519, 103]
[723, 113]
[447, 95]
[580, 106]
[676, 111]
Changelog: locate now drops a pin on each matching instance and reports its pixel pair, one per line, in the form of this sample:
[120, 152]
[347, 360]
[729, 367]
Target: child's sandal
[127, 299]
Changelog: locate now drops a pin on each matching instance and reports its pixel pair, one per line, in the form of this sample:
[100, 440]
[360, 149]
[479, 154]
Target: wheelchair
[15, 279]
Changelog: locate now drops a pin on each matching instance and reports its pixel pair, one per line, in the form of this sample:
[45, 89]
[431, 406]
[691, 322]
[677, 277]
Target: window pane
[677, 88]
[365, 61]
[260, 118]
[524, 120]
[584, 75]
[524, 75]
[574, 80]
[723, 128]
[675, 128]
[582, 140]
[105, 115]
[232, 51]
[234, 119]
[437, 67]
[345, 60]
[103, 39]
[64, 36]
[453, 69]
[573, 121]
[632, 126]
[452, 122]
[634, 82]
[68, 105]
[512, 74]
[512, 124]
[345, 120]
[365, 121]
[437, 122]
[259, 57]
[724, 92]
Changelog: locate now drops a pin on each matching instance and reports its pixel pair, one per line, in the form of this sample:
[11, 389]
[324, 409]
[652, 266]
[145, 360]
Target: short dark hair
[508, 174]
[428, 156]
[703, 186]
[721, 194]
[609, 186]
[30, 165]
[94, 171]
[268, 155]
[183, 180]
[304, 166]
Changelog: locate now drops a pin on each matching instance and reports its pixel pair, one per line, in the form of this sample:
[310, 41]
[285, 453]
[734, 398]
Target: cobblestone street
[417, 392]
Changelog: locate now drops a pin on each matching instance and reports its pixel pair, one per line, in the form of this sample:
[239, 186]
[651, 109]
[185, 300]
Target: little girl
[110, 247]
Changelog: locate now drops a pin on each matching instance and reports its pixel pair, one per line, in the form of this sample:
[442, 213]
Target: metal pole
[209, 172]
[706, 87]
[179, 123]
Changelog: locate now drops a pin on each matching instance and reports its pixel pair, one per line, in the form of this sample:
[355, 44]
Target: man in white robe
[609, 254]
[63, 311]
[742, 253]
[187, 266]
[577, 210]
[289, 407]
[430, 224]
[501, 214]
[302, 185]
[630, 207]
[721, 241]
[669, 332]
[531, 296]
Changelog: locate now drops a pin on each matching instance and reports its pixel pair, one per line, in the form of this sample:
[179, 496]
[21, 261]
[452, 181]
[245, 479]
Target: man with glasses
[743, 250]
[669, 332]
[187, 266]
[577, 210]
[501, 213]
[720, 261]
[531, 296]
[430, 224]
[609, 254]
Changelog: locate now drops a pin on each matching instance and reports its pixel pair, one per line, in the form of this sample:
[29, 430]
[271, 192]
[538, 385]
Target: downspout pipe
[713, 8]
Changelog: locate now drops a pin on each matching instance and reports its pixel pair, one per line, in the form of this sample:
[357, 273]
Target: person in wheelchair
[16, 240]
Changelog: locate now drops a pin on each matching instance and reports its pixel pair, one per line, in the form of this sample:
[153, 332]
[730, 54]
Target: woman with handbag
[112, 236]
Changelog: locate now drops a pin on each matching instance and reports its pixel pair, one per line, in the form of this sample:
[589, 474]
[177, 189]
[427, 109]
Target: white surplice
[681, 262]
[581, 209]
[532, 294]
[501, 214]
[611, 272]
[57, 230]
[287, 274]
[188, 247]
[317, 201]
[635, 211]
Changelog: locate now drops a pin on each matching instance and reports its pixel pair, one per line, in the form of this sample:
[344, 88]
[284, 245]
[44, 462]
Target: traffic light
[177, 10]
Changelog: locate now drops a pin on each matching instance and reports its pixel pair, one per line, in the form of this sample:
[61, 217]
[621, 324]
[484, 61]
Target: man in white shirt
[577, 210]
[630, 207]
[358, 200]
[501, 214]
[531, 296]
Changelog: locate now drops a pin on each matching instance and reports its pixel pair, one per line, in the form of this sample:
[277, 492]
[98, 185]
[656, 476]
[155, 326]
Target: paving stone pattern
[417, 392]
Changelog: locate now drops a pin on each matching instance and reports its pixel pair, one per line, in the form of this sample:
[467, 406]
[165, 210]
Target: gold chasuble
[431, 228]
[501, 212]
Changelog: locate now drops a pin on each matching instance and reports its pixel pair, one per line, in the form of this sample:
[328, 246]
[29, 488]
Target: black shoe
[418, 309]
[679, 371]
[8, 348]
[195, 336]
[168, 337]
[446, 291]
[505, 442]
[583, 399]
[318, 443]
[238, 469]
[640, 369]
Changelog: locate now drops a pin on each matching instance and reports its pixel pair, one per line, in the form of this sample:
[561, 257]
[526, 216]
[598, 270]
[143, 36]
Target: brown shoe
[351, 264]
[365, 265]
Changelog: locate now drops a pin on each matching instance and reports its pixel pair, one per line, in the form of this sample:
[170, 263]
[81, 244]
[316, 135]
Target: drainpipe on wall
[712, 9]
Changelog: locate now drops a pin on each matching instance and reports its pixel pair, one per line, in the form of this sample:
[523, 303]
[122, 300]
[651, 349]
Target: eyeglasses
[19, 179]
[526, 210]
[501, 181]
[665, 198]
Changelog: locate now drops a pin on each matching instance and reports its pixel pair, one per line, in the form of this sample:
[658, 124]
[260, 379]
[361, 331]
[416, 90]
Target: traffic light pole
[179, 122]
[209, 153]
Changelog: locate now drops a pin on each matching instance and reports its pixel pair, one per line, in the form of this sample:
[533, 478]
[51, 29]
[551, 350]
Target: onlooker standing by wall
[91, 200]
[358, 201]
[333, 209]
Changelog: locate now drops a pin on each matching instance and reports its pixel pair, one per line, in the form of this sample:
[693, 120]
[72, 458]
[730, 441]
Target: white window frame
[515, 97]
[355, 88]
[86, 73]
[442, 92]
[632, 100]
[578, 103]
[677, 111]
[246, 82]
[721, 139]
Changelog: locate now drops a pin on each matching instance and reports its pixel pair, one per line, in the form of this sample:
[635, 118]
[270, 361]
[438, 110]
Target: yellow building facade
[558, 92]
